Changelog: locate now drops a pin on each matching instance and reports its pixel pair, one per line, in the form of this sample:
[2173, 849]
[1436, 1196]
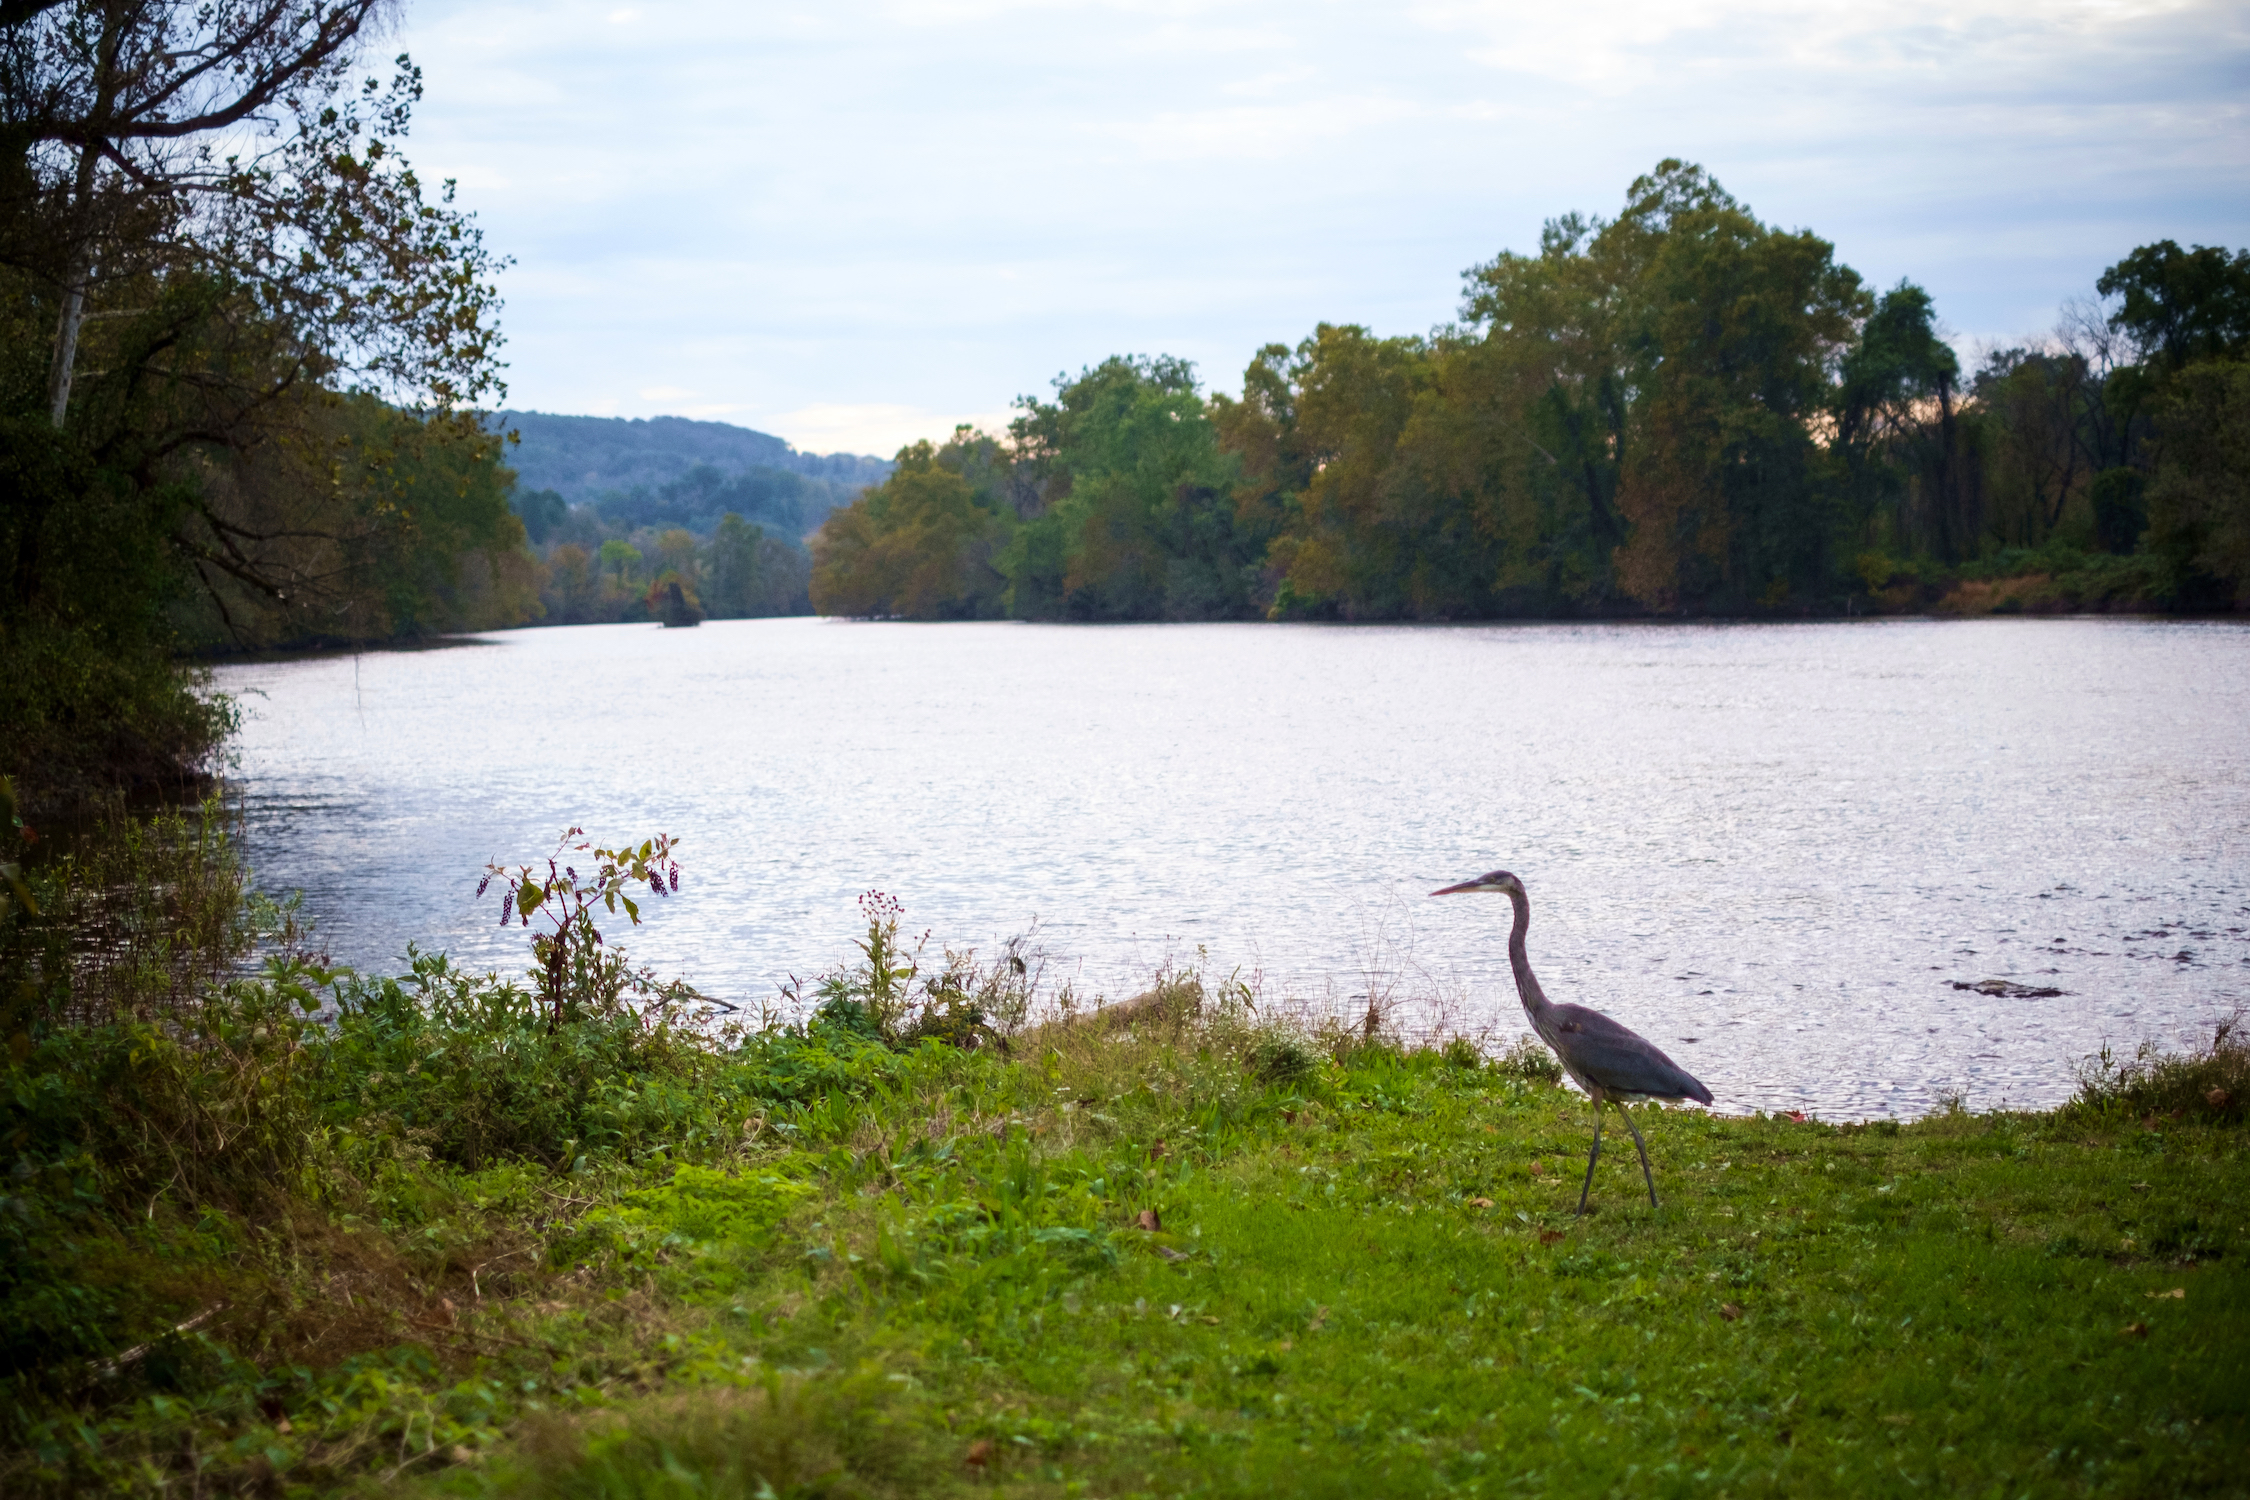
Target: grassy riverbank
[1207, 1253]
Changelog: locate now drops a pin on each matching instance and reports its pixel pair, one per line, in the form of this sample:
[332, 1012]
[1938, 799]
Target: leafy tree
[730, 568]
[619, 560]
[2033, 404]
[1359, 542]
[541, 512]
[1735, 330]
[1680, 409]
[2199, 502]
[178, 321]
[921, 544]
[1897, 440]
[753, 574]
[1532, 416]
[571, 571]
[675, 552]
[1638, 409]
[2188, 313]
[1549, 375]
[2182, 305]
[1125, 465]
[791, 504]
[2120, 509]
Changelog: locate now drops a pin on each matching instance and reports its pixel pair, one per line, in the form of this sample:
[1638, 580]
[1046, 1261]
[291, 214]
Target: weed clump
[2210, 1084]
[1529, 1059]
[900, 998]
[471, 1069]
[1282, 1060]
[847, 1435]
[134, 918]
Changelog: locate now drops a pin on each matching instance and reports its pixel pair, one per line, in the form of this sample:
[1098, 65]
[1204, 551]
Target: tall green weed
[469, 1069]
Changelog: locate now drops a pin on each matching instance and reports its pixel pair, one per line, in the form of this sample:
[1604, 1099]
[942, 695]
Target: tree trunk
[1949, 502]
[66, 341]
[81, 259]
[74, 294]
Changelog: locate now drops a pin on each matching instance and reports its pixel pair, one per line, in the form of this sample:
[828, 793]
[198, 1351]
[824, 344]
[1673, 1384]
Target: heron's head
[1499, 882]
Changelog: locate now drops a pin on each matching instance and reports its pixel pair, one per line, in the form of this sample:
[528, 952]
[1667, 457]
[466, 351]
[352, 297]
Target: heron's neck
[1527, 983]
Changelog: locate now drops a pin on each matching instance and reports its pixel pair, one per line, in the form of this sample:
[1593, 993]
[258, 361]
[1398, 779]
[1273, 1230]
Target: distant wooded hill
[584, 459]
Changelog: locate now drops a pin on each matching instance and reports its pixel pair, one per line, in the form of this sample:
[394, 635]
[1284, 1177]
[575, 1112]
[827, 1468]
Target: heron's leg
[1591, 1155]
[1645, 1172]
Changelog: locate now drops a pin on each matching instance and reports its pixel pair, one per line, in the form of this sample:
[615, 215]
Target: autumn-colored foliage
[1679, 410]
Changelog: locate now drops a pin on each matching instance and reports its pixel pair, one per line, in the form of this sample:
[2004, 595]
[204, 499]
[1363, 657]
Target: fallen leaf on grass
[1318, 1318]
[1900, 1419]
[1169, 1253]
[2140, 1187]
[1729, 1311]
[2134, 1331]
[2178, 1291]
[1149, 1221]
[1284, 1346]
[1550, 1236]
[979, 1454]
[1157, 1152]
[1480, 1203]
[1491, 1130]
[1537, 1169]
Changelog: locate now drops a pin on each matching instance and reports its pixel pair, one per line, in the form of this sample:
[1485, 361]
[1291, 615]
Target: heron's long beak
[1466, 885]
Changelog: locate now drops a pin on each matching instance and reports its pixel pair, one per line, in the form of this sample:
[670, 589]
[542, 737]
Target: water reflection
[1775, 850]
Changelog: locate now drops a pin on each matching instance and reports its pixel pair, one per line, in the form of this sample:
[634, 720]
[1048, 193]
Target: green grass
[1968, 1305]
[1954, 1308]
[435, 1249]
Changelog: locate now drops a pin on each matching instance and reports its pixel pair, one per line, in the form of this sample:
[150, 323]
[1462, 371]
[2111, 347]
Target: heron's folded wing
[1617, 1057]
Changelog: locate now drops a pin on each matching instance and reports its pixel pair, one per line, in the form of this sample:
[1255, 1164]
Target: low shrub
[1530, 1058]
[786, 1435]
[1282, 1059]
[2212, 1083]
[470, 1069]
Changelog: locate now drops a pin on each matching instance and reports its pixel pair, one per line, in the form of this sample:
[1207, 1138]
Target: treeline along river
[1780, 851]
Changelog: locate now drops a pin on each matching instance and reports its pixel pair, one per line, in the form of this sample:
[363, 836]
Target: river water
[1778, 851]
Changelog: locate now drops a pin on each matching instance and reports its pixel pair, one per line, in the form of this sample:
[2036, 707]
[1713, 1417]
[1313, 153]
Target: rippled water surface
[1777, 851]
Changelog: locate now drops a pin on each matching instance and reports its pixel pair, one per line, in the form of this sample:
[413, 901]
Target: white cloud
[917, 209]
[872, 428]
[1255, 131]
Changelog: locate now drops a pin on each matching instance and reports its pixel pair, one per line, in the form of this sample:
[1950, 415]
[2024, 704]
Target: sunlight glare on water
[1774, 850]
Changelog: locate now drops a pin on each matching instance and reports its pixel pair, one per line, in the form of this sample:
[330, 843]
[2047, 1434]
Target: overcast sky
[855, 224]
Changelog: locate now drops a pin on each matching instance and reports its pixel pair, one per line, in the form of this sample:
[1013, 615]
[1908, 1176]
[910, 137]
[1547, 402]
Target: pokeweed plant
[877, 994]
[566, 953]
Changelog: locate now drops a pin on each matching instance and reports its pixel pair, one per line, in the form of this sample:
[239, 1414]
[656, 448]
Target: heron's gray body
[1610, 1061]
[1603, 1057]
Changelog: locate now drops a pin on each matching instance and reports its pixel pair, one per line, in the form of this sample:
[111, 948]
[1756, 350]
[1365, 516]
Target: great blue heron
[1612, 1063]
